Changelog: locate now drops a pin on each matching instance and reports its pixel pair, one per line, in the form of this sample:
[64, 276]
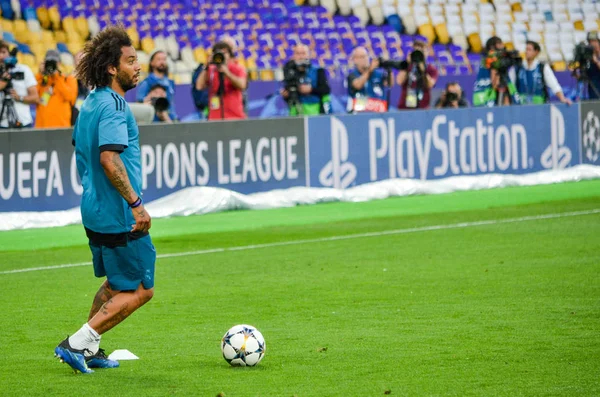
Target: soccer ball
[243, 345]
[591, 137]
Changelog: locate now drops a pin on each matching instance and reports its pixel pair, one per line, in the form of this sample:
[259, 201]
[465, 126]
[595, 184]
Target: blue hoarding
[355, 149]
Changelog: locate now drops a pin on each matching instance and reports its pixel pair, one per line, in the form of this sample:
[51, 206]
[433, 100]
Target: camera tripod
[294, 101]
[8, 106]
[584, 83]
[502, 90]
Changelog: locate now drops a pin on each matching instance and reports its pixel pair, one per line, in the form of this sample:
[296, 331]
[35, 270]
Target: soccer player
[107, 151]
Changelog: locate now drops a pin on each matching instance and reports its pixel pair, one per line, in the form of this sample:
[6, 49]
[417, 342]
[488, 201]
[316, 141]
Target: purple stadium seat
[354, 21]
[379, 52]
[328, 62]
[362, 41]
[444, 58]
[326, 22]
[451, 70]
[406, 39]
[395, 53]
[474, 59]
[463, 70]
[274, 54]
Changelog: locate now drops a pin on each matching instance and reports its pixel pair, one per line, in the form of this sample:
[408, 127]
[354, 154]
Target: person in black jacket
[306, 89]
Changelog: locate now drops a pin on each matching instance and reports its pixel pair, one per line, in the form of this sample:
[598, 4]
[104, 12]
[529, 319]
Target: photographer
[366, 84]
[159, 74]
[493, 86]
[306, 89]
[200, 97]
[416, 79]
[57, 94]
[586, 66]
[452, 97]
[534, 78]
[17, 90]
[225, 80]
[157, 98]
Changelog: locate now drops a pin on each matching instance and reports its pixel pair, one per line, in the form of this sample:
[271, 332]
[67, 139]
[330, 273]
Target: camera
[160, 104]
[390, 63]
[50, 67]
[218, 58]
[582, 54]
[417, 57]
[506, 59]
[7, 66]
[292, 73]
[451, 97]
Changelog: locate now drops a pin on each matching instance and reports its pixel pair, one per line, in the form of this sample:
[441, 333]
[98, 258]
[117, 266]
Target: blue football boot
[75, 358]
[100, 360]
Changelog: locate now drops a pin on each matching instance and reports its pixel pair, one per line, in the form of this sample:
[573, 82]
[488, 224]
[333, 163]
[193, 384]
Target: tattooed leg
[102, 296]
[118, 308]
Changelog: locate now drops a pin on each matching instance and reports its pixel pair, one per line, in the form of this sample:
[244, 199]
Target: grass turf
[502, 309]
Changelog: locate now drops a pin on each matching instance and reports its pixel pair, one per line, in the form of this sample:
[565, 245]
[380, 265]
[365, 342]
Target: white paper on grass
[122, 355]
[203, 200]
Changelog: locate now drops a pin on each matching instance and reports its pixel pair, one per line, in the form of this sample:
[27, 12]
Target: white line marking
[337, 238]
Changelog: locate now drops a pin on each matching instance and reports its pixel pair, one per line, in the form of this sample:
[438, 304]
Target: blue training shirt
[105, 122]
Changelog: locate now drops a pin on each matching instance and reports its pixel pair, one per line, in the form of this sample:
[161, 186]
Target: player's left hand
[143, 222]
[13, 94]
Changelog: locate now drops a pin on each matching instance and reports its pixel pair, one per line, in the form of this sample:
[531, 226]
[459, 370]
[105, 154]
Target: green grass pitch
[495, 309]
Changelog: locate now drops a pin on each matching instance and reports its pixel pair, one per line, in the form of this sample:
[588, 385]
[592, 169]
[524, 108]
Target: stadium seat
[147, 45]
[332, 28]
[67, 59]
[54, 17]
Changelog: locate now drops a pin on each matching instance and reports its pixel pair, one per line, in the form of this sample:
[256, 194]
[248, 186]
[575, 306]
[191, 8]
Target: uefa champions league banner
[355, 149]
[38, 170]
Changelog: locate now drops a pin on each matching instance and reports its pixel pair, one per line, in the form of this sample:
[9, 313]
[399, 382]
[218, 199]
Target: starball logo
[591, 136]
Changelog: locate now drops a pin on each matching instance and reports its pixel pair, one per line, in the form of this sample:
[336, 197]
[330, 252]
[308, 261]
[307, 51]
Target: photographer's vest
[531, 85]
[485, 95]
[311, 104]
[371, 97]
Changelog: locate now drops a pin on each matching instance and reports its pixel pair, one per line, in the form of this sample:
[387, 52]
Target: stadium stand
[267, 30]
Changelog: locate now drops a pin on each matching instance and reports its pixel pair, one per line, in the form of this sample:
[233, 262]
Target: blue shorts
[126, 267]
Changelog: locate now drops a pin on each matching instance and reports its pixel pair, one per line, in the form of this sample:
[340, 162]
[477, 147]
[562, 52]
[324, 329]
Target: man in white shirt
[19, 84]
[534, 78]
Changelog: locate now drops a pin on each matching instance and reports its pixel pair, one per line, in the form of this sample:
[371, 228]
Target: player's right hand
[143, 222]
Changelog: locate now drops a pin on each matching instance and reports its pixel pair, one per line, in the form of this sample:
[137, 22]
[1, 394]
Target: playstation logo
[338, 173]
[557, 155]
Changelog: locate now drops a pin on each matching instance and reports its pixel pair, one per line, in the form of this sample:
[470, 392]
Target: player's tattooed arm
[117, 174]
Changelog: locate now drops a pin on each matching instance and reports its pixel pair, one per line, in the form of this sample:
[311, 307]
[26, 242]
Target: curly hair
[102, 51]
